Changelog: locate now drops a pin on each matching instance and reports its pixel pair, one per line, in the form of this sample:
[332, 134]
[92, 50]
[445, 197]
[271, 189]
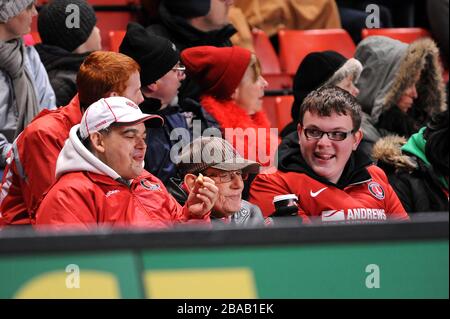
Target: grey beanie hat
[11, 8]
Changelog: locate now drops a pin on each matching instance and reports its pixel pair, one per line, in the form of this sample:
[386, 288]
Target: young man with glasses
[161, 77]
[322, 165]
[215, 158]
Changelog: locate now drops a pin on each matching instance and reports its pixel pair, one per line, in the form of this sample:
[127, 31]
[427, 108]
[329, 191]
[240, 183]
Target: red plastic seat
[269, 107]
[406, 35]
[296, 44]
[115, 39]
[265, 53]
[283, 105]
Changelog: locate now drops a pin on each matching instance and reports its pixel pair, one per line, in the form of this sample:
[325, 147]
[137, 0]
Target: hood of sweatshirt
[390, 67]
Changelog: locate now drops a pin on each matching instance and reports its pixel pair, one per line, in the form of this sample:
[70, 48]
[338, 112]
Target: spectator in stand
[320, 69]
[24, 86]
[64, 48]
[101, 180]
[401, 86]
[322, 165]
[233, 89]
[161, 78]
[272, 16]
[31, 170]
[418, 168]
[438, 16]
[218, 160]
[191, 23]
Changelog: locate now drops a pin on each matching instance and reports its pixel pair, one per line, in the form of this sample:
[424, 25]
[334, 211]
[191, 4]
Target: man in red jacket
[30, 169]
[101, 179]
[322, 166]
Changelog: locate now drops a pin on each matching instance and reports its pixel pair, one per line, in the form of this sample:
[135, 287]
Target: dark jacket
[157, 158]
[183, 35]
[389, 68]
[418, 186]
[62, 68]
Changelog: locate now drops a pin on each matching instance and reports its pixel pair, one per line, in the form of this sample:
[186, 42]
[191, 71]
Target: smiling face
[250, 92]
[230, 193]
[327, 158]
[123, 149]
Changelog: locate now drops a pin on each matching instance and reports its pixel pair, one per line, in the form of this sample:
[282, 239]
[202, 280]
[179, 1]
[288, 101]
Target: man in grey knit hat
[24, 86]
[215, 158]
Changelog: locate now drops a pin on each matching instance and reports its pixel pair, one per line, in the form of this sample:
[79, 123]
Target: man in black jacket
[190, 23]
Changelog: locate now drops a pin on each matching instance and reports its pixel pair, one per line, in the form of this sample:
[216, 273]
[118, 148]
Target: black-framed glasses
[228, 176]
[333, 135]
[179, 68]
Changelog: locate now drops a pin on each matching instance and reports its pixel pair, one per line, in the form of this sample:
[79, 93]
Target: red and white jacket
[30, 168]
[88, 194]
[362, 195]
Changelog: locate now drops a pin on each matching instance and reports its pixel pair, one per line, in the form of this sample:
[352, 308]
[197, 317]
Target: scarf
[12, 57]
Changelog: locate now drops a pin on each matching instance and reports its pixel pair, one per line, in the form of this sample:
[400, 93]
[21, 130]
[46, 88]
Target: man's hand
[203, 197]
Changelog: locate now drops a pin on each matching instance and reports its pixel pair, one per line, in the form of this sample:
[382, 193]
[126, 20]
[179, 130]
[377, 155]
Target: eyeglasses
[228, 176]
[179, 68]
[334, 135]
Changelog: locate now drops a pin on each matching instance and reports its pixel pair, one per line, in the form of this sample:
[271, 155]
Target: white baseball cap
[116, 109]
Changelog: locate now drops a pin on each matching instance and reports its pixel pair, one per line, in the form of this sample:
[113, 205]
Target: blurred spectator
[24, 86]
[317, 69]
[438, 17]
[161, 78]
[400, 86]
[190, 23]
[218, 160]
[233, 89]
[243, 37]
[273, 15]
[418, 169]
[101, 180]
[322, 165]
[64, 48]
[31, 170]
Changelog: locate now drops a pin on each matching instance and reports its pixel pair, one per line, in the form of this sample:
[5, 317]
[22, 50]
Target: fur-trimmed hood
[390, 67]
[388, 151]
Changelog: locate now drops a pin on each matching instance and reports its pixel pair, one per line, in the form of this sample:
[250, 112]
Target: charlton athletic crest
[149, 186]
[376, 190]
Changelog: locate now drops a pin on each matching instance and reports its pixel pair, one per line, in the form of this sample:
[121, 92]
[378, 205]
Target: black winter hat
[155, 55]
[58, 24]
[316, 68]
[188, 8]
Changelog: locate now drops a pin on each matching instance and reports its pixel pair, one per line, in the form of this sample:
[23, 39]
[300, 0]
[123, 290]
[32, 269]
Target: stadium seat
[115, 39]
[283, 105]
[270, 65]
[406, 35]
[266, 53]
[269, 106]
[296, 44]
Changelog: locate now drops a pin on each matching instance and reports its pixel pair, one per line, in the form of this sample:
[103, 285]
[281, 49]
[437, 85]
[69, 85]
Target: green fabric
[416, 147]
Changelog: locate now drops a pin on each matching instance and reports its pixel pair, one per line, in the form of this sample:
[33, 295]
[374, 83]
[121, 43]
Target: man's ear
[97, 143]
[358, 137]
[189, 180]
